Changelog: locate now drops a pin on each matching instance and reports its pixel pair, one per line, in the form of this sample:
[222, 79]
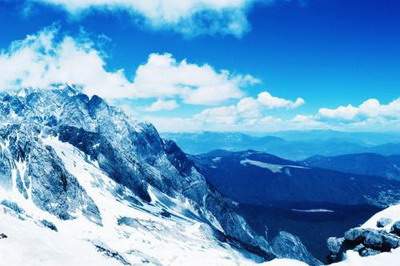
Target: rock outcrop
[367, 242]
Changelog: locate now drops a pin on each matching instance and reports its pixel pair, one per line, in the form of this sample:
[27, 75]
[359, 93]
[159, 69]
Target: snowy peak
[76, 158]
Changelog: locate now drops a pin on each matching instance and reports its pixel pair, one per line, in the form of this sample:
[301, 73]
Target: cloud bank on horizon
[221, 97]
[189, 17]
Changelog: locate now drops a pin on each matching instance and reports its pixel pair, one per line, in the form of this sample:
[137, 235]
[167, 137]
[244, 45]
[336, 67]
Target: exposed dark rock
[356, 235]
[12, 206]
[396, 228]
[49, 225]
[335, 244]
[286, 245]
[112, 254]
[382, 222]
[365, 252]
[3, 236]
[366, 242]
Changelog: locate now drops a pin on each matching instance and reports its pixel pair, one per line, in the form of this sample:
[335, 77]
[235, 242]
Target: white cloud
[370, 108]
[164, 76]
[247, 111]
[160, 105]
[271, 102]
[186, 16]
[48, 58]
[41, 61]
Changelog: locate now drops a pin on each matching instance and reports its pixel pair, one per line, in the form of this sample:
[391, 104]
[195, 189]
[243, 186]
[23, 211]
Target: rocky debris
[382, 222]
[366, 242]
[111, 253]
[3, 236]
[11, 205]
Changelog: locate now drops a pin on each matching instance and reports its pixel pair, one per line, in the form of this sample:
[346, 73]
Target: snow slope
[128, 235]
[145, 236]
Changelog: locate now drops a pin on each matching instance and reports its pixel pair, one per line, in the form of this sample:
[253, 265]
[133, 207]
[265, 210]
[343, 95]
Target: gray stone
[396, 228]
[356, 235]
[335, 244]
[373, 239]
[382, 222]
[286, 245]
[368, 252]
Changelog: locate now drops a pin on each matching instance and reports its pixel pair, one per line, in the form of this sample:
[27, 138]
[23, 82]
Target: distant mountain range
[293, 145]
[276, 194]
[363, 163]
[263, 179]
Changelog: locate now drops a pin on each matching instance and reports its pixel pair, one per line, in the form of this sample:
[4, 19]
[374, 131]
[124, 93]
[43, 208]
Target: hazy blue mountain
[291, 145]
[364, 138]
[362, 163]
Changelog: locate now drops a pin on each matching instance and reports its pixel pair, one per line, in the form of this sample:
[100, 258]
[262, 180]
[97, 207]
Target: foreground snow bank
[386, 258]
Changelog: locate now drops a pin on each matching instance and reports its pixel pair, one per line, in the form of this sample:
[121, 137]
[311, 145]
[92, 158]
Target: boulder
[335, 244]
[373, 239]
[368, 252]
[382, 222]
[356, 235]
[390, 241]
[396, 228]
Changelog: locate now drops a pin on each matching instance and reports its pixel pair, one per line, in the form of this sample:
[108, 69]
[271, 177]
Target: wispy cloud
[160, 105]
[190, 17]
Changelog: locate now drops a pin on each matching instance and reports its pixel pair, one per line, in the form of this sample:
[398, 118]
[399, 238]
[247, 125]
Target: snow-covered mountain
[81, 183]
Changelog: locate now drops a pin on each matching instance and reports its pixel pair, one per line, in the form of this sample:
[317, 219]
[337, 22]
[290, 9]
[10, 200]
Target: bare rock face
[286, 245]
[41, 176]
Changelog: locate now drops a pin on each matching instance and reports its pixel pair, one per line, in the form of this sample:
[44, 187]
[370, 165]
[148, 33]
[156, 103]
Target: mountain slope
[362, 164]
[74, 165]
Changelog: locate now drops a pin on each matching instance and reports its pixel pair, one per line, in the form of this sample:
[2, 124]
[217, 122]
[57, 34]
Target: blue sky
[331, 55]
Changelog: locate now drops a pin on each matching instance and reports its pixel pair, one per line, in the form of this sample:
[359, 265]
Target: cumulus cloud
[164, 76]
[48, 58]
[160, 105]
[190, 17]
[43, 60]
[271, 102]
[247, 111]
[370, 108]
